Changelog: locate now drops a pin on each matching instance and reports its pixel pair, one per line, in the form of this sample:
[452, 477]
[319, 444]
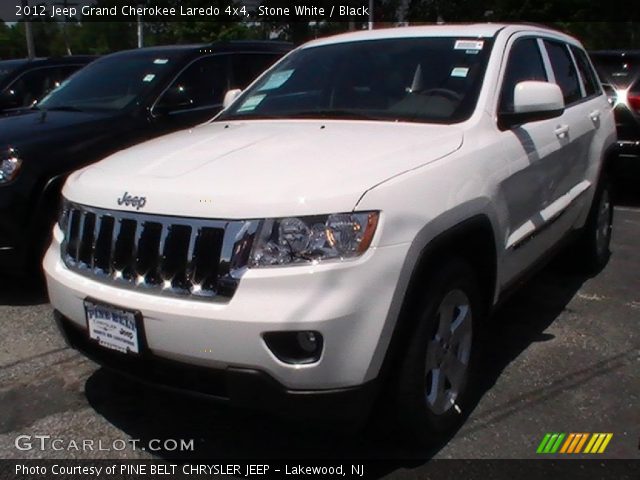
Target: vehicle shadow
[15, 291]
[224, 433]
[626, 180]
[524, 318]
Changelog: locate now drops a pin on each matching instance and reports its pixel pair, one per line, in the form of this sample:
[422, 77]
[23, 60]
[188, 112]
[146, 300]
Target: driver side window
[525, 63]
[29, 87]
[202, 84]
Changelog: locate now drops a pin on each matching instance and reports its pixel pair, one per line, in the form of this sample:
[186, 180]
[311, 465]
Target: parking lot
[564, 356]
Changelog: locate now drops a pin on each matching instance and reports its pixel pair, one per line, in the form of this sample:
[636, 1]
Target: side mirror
[230, 97]
[174, 99]
[9, 100]
[533, 101]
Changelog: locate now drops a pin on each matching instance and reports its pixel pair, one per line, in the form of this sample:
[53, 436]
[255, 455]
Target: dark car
[24, 81]
[118, 100]
[619, 71]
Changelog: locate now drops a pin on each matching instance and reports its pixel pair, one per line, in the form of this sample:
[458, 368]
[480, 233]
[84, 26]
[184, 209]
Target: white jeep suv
[348, 221]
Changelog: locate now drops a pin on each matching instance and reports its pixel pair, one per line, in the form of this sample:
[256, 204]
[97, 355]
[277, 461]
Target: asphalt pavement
[564, 356]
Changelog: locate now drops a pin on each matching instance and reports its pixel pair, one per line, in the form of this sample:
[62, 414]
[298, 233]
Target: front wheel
[436, 372]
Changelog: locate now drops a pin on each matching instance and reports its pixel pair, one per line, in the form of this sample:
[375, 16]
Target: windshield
[431, 79]
[109, 84]
[620, 71]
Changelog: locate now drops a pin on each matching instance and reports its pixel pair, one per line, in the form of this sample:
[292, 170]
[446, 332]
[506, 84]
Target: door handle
[561, 131]
[595, 115]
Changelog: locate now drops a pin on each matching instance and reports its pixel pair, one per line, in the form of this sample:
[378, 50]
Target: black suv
[23, 81]
[116, 101]
[619, 71]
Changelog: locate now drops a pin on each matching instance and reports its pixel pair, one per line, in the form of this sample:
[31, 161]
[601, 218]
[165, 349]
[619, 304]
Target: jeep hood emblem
[131, 201]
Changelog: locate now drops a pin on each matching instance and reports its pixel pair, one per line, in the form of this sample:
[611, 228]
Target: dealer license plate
[113, 328]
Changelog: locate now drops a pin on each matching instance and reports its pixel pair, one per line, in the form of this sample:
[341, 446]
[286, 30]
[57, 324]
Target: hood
[261, 169]
[32, 130]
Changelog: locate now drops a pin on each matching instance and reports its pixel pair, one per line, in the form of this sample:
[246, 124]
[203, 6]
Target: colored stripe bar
[550, 443]
[592, 441]
[573, 443]
[605, 442]
[567, 442]
[596, 446]
[543, 443]
[577, 439]
[555, 448]
[581, 443]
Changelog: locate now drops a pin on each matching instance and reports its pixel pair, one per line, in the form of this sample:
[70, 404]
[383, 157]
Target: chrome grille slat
[148, 253]
[102, 253]
[86, 238]
[73, 235]
[133, 259]
[162, 245]
[123, 257]
[96, 231]
[115, 230]
[190, 268]
[162, 255]
[83, 217]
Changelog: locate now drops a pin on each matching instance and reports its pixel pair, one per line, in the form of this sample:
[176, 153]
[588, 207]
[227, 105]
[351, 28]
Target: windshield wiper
[332, 113]
[310, 114]
[59, 108]
[246, 116]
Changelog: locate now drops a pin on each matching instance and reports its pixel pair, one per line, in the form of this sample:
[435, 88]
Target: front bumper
[13, 229]
[248, 388]
[348, 303]
[22, 212]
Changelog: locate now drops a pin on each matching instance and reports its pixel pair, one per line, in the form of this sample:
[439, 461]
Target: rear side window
[524, 63]
[564, 71]
[589, 78]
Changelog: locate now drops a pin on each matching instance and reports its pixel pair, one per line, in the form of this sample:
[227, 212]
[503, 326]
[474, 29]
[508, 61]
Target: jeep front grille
[185, 257]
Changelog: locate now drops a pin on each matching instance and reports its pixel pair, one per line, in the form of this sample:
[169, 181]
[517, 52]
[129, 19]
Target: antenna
[66, 4]
[31, 50]
[140, 25]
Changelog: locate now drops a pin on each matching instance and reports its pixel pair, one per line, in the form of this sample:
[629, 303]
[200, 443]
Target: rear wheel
[595, 241]
[437, 371]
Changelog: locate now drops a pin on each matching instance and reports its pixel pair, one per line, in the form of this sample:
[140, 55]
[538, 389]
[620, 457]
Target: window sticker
[276, 80]
[460, 72]
[251, 103]
[469, 45]
[161, 61]
[149, 77]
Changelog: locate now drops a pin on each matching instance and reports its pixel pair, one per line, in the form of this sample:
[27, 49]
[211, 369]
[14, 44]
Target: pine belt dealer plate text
[113, 328]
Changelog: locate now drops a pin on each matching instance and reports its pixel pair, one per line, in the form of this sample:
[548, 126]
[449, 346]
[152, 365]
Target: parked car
[24, 81]
[345, 225]
[115, 102]
[619, 70]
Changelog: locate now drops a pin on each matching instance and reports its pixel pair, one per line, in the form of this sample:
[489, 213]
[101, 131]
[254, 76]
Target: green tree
[420, 11]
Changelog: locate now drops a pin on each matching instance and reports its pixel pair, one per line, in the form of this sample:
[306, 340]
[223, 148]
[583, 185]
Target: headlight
[298, 240]
[9, 166]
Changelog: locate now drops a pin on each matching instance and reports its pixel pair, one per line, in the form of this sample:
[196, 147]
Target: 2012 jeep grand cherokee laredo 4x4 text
[348, 221]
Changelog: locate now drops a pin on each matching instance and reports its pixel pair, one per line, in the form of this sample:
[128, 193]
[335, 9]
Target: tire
[439, 368]
[595, 240]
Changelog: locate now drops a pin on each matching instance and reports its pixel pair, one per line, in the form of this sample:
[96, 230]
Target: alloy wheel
[448, 352]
